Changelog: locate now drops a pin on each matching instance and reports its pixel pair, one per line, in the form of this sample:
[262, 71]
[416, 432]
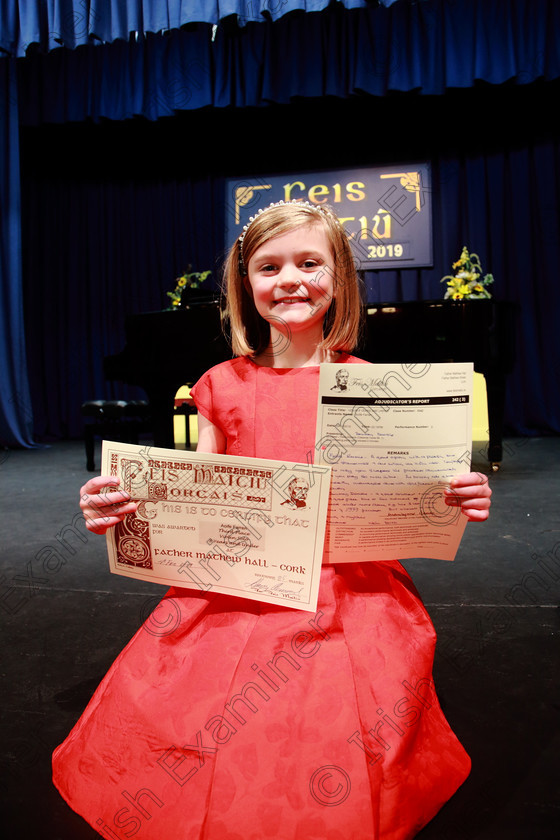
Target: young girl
[242, 720]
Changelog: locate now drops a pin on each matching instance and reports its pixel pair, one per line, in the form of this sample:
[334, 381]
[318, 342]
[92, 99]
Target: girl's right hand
[102, 510]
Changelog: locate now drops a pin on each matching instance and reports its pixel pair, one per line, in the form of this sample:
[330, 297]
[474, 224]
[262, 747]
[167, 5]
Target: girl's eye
[266, 268]
[310, 264]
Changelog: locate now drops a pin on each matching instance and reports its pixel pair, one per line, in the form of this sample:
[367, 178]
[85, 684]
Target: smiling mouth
[294, 299]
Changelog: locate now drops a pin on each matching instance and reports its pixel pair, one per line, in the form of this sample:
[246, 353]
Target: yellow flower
[181, 281]
[467, 281]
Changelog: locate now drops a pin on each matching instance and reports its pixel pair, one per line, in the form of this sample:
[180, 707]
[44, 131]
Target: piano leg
[496, 392]
[90, 447]
[162, 407]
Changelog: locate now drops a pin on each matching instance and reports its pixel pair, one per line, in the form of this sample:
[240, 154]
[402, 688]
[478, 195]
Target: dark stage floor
[495, 609]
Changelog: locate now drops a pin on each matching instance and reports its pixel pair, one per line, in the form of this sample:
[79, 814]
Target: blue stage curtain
[426, 47]
[112, 227]
[16, 418]
[104, 247]
[71, 23]
[429, 47]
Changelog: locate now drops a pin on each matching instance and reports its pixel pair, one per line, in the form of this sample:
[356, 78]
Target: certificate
[247, 527]
[395, 435]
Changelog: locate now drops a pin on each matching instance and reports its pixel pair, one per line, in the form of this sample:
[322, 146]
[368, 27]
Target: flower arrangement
[468, 282]
[188, 280]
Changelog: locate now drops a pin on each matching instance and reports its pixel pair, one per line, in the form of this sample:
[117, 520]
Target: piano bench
[120, 420]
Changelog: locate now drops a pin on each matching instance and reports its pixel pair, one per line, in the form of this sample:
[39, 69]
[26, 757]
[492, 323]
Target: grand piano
[167, 349]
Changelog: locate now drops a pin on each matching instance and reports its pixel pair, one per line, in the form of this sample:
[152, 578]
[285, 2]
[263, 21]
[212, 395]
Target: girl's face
[291, 279]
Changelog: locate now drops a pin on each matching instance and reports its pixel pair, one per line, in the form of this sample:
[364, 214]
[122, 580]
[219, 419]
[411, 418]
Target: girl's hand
[103, 510]
[472, 493]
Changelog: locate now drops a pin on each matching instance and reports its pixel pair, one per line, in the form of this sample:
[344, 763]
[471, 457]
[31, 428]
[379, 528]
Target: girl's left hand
[472, 493]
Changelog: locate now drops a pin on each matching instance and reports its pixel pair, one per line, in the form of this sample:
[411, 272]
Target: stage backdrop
[105, 234]
[494, 161]
[386, 210]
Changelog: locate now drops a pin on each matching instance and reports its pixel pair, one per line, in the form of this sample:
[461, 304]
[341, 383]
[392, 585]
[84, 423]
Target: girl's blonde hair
[249, 333]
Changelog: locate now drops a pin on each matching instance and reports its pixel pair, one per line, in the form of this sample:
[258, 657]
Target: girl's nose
[289, 278]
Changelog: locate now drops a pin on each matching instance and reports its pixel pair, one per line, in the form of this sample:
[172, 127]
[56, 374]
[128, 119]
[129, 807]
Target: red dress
[228, 719]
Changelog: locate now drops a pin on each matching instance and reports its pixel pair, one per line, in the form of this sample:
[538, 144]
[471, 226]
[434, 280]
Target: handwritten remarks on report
[395, 435]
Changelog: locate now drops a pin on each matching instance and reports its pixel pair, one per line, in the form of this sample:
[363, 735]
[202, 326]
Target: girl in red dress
[240, 720]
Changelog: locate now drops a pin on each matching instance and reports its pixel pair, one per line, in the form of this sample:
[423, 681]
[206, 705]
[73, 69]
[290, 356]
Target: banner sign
[386, 210]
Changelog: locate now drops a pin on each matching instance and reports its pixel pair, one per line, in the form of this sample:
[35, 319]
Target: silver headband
[295, 201]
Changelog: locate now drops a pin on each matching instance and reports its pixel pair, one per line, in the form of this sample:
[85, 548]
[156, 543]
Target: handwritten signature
[279, 589]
